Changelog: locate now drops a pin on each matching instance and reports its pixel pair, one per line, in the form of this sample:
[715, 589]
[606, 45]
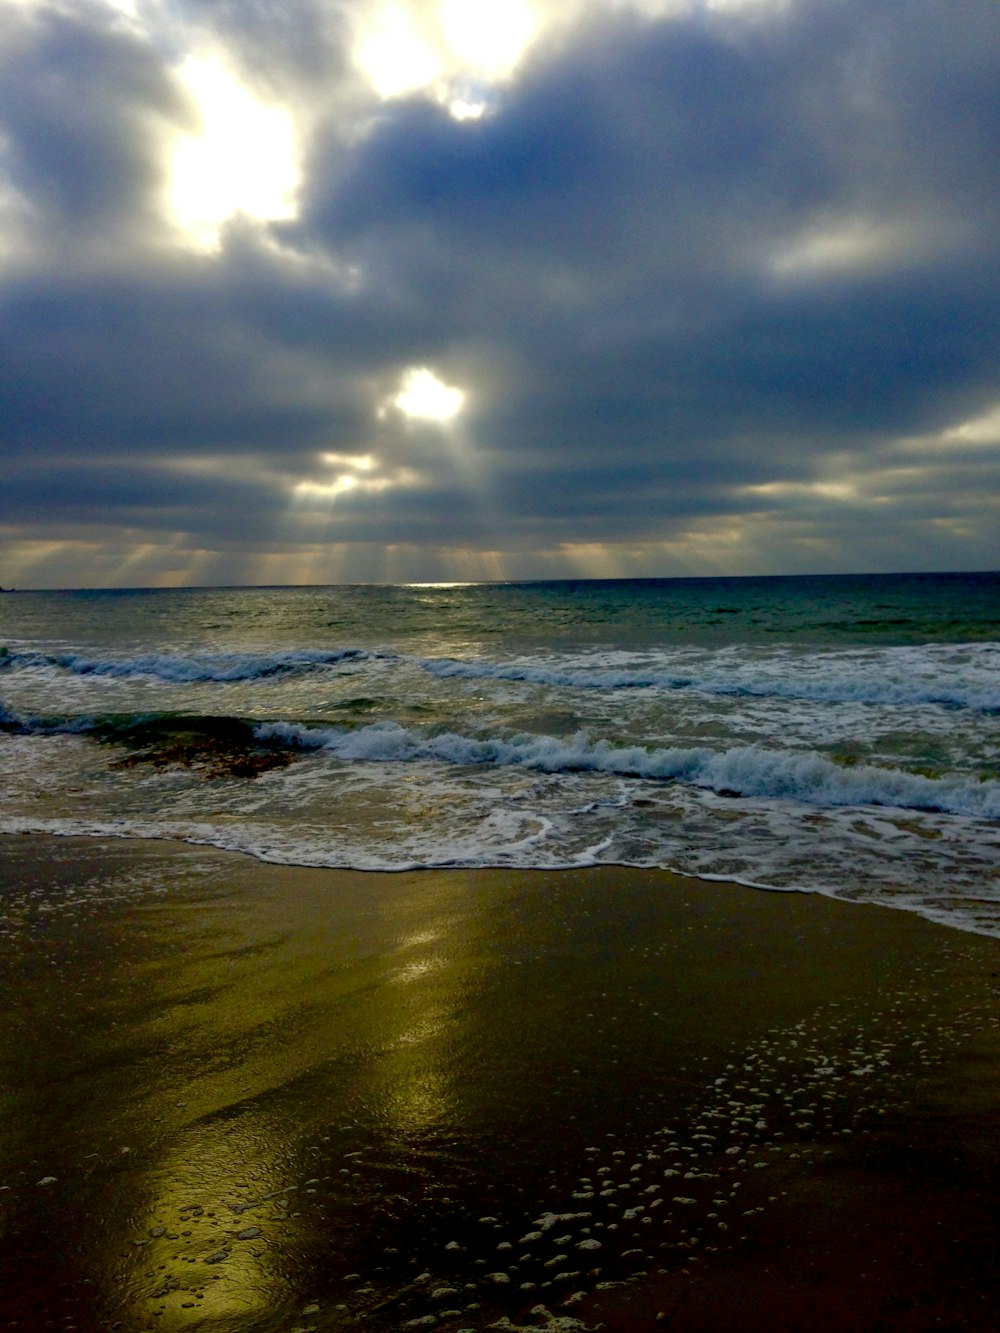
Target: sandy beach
[248, 1097]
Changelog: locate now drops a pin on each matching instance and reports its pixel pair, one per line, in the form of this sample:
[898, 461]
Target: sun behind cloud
[443, 48]
[393, 53]
[424, 396]
[243, 161]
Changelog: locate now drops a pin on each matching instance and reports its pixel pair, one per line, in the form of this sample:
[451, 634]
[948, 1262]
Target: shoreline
[951, 915]
[261, 1089]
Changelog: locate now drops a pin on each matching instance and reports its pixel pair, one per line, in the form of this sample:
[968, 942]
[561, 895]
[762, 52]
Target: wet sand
[248, 1097]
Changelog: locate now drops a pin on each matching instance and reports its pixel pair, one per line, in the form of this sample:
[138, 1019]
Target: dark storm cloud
[165, 363]
[613, 223]
[152, 498]
[611, 231]
[685, 269]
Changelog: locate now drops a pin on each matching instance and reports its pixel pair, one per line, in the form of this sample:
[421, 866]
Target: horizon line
[510, 583]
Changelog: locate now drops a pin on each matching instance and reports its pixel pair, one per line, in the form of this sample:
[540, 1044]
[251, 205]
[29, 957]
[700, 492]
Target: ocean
[832, 735]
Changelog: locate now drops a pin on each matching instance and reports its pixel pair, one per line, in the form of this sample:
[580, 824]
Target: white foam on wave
[186, 670]
[964, 677]
[741, 770]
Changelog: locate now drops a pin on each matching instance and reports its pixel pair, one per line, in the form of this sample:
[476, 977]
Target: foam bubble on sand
[553, 1323]
[548, 1220]
[790, 1096]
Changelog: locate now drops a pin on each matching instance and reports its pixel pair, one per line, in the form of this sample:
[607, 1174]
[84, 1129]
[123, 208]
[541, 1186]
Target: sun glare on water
[243, 160]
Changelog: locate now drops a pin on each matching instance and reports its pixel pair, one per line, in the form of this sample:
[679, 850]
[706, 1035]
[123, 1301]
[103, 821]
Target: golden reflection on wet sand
[265, 1098]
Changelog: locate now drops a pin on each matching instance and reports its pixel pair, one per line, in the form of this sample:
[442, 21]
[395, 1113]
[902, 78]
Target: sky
[309, 291]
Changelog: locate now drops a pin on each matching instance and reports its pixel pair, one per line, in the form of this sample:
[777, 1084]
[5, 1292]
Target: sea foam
[185, 670]
[897, 677]
[807, 777]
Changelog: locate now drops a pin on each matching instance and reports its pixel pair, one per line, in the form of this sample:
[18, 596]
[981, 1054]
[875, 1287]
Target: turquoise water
[832, 734]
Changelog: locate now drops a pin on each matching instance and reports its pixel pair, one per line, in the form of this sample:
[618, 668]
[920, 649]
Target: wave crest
[751, 771]
[187, 670]
[827, 686]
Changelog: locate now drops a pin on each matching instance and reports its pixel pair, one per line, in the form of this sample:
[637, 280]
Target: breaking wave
[750, 771]
[203, 667]
[747, 770]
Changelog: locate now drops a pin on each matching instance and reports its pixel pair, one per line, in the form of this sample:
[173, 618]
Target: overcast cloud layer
[719, 281]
